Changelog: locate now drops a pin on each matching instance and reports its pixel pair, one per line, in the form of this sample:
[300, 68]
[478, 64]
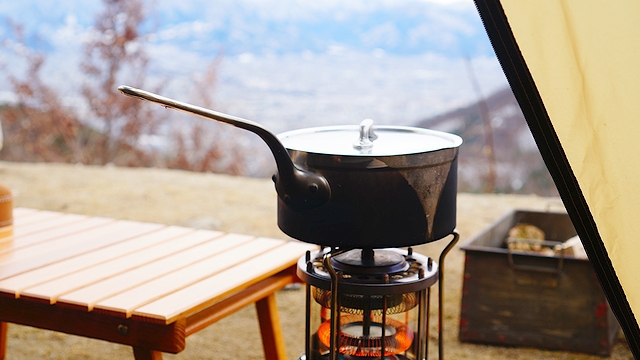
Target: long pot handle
[299, 189]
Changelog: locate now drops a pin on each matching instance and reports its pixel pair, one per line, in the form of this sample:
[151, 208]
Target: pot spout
[301, 190]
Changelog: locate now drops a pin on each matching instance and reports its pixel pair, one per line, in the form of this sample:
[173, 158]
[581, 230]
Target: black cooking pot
[356, 186]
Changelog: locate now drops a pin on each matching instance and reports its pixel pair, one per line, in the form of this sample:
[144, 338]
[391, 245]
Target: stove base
[349, 357]
[391, 357]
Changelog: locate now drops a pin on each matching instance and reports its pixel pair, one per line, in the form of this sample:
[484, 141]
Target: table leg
[272, 339]
[3, 339]
[146, 354]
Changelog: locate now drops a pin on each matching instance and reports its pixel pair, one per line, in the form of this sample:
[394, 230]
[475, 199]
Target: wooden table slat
[117, 230]
[87, 296]
[12, 243]
[47, 224]
[59, 244]
[33, 277]
[26, 259]
[144, 293]
[96, 264]
[17, 241]
[212, 289]
[35, 217]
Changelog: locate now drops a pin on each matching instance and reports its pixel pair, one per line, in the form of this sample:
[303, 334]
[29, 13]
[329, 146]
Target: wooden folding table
[140, 284]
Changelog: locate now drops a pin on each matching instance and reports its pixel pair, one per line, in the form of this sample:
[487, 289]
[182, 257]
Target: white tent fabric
[574, 67]
[587, 70]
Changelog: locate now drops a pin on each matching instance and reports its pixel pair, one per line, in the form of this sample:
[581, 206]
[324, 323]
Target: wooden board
[48, 252]
[214, 288]
[28, 238]
[170, 282]
[91, 294]
[48, 223]
[100, 263]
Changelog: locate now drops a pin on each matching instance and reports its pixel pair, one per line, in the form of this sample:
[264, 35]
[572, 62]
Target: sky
[285, 63]
[302, 23]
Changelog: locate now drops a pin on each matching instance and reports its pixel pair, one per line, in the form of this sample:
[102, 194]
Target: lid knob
[365, 142]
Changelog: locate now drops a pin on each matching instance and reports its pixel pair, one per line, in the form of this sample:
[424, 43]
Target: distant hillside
[519, 166]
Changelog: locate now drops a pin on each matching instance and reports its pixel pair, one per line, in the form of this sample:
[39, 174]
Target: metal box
[517, 298]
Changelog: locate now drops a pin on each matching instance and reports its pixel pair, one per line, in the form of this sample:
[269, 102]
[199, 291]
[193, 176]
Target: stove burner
[353, 340]
[371, 272]
[370, 262]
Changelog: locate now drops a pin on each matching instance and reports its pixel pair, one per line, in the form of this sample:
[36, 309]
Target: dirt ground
[241, 205]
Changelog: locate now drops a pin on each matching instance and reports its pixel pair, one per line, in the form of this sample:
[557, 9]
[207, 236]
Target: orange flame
[370, 346]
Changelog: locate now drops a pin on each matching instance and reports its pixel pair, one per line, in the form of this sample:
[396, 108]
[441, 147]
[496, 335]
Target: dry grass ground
[231, 204]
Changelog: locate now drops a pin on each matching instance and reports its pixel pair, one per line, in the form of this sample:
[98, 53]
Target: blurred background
[287, 64]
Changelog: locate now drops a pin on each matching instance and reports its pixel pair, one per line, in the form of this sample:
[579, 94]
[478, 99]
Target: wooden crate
[522, 299]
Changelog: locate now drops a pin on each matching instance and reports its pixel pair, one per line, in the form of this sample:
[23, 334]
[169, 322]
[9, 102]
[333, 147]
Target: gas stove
[362, 303]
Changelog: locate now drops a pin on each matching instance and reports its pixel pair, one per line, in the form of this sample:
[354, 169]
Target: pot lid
[368, 140]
